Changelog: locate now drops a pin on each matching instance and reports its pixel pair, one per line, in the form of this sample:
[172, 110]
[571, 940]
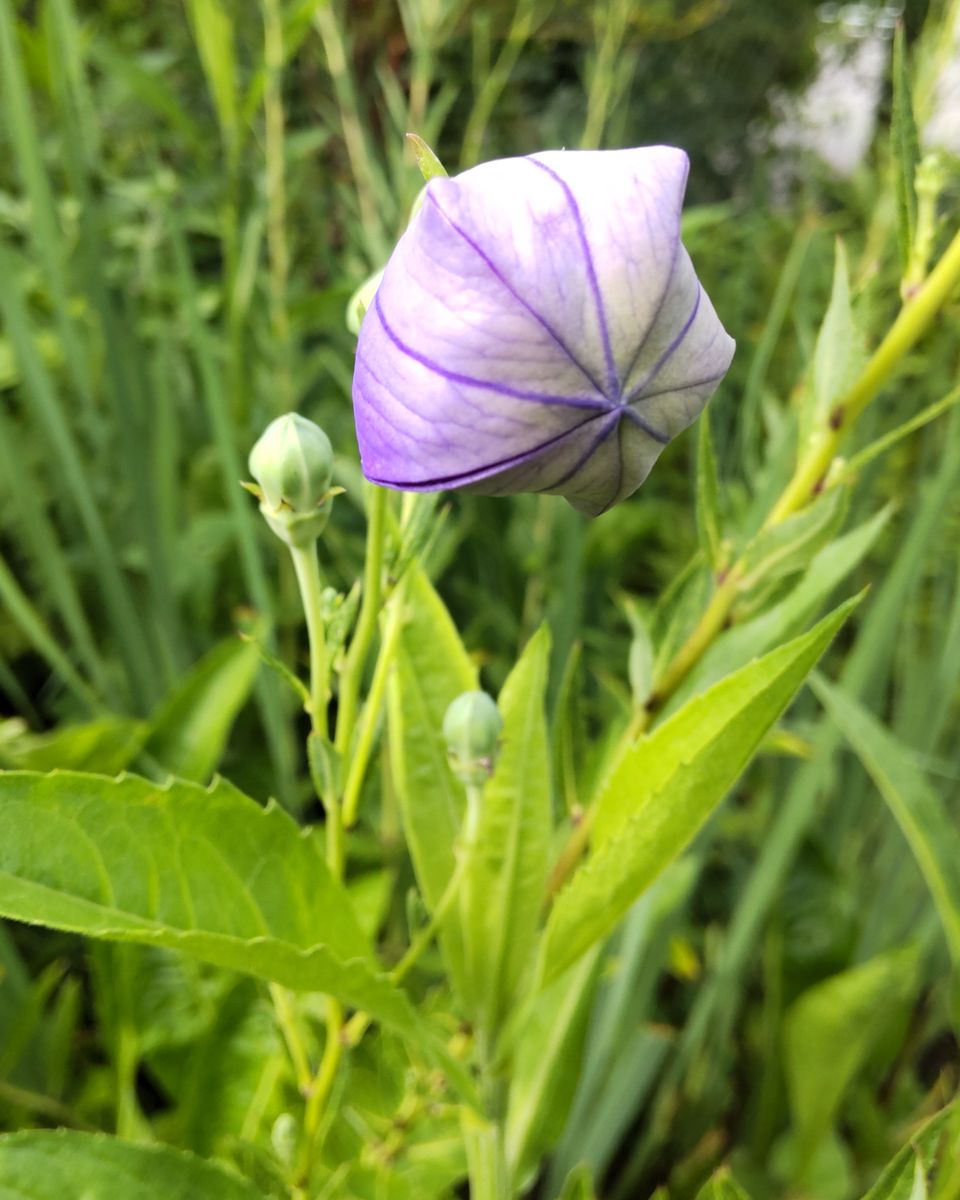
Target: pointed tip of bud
[292, 462]
[471, 728]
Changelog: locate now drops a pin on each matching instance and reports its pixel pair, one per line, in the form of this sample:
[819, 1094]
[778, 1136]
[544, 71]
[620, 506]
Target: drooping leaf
[511, 859]
[897, 1180]
[906, 150]
[203, 870]
[659, 794]
[191, 729]
[432, 669]
[929, 828]
[830, 1032]
[47, 1165]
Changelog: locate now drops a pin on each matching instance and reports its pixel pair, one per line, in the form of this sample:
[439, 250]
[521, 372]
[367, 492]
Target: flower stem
[359, 651]
[307, 567]
[371, 713]
[915, 317]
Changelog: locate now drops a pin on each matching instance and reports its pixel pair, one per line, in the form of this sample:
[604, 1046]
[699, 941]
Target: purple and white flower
[539, 328]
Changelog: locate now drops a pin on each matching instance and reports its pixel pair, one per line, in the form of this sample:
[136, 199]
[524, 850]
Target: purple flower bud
[539, 328]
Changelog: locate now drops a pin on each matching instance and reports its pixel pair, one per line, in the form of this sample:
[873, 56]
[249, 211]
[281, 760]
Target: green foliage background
[189, 195]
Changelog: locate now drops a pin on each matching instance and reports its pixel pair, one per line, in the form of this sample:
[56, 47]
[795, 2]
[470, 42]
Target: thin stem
[914, 319]
[320, 1088]
[43, 1106]
[371, 713]
[318, 1091]
[358, 1024]
[359, 651]
[307, 567]
[286, 1019]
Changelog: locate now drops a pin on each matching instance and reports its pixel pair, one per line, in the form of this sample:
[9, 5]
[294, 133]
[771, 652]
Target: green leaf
[831, 1031]
[203, 870]
[708, 496]
[578, 1185]
[485, 1162]
[906, 151]
[722, 1186]
[898, 1177]
[213, 30]
[640, 664]
[547, 1066]
[928, 826]
[432, 669]
[512, 855]
[828, 568]
[430, 166]
[46, 1165]
[788, 546]
[190, 730]
[837, 353]
[107, 745]
[662, 790]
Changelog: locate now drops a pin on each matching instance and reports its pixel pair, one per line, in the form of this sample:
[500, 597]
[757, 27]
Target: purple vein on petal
[647, 428]
[498, 274]
[500, 388]
[659, 308]
[677, 387]
[613, 382]
[610, 424]
[637, 392]
[615, 491]
[466, 477]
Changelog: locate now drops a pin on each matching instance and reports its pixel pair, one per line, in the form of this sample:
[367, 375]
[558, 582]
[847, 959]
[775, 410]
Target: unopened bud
[471, 729]
[292, 464]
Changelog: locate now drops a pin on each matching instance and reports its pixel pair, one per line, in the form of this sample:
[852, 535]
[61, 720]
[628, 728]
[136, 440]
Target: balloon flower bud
[292, 464]
[538, 328]
[471, 729]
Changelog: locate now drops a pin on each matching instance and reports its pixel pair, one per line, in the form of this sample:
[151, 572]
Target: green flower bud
[361, 300]
[292, 464]
[471, 729]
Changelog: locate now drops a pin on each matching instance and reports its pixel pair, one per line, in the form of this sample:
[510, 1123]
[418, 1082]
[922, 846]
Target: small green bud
[361, 300]
[471, 729]
[292, 464]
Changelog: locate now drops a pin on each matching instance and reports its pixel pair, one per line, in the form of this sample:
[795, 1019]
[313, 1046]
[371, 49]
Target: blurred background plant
[189, 195]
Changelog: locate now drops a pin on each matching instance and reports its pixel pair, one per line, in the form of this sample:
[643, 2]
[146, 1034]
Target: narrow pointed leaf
[830, 1032]
[906, 150]
[662, 790]
[432, 669]
[897, 1180]
[837, 354]
[511, 860]
[926, 823]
